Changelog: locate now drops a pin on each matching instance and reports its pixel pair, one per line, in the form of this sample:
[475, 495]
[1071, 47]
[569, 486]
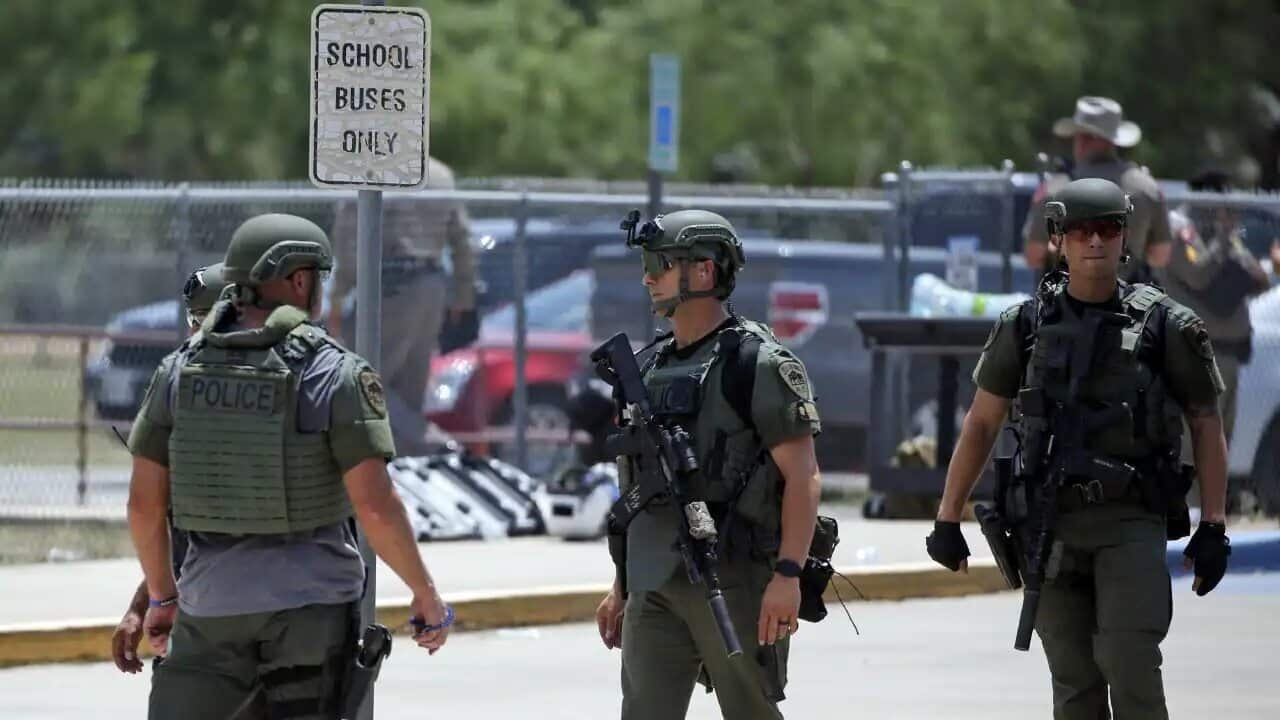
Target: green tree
[827, 92]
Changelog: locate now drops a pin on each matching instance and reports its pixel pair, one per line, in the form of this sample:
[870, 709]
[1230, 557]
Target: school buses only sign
[370, 100]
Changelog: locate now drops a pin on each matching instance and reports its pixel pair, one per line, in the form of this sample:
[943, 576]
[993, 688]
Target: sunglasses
[1106, 228]
[656, 263]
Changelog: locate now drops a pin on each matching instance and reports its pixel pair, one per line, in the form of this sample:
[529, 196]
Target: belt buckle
[1091, 493]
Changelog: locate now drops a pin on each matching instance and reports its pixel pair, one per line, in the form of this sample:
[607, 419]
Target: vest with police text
[238, 463]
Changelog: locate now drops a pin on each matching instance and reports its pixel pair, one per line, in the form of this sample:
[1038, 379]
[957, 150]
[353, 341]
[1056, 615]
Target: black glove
[946, 545]
[1209, 548]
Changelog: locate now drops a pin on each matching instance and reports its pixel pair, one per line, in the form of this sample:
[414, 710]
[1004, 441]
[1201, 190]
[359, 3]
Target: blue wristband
[421, 627]
[167, 602]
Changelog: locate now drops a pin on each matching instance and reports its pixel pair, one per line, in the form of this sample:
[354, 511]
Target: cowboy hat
[1102, 117]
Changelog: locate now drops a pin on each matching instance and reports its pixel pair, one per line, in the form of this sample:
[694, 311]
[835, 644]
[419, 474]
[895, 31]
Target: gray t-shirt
[236, 575]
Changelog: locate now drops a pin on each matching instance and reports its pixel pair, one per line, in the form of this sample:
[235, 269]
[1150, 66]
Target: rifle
[1062, 457]
[664, 464]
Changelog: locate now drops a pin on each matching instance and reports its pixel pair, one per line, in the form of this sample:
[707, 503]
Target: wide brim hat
[1102, 117]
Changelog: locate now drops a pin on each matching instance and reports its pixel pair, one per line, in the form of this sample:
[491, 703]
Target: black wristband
[788, 568]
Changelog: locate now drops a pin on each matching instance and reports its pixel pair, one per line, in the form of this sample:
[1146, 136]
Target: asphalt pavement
[941, 658]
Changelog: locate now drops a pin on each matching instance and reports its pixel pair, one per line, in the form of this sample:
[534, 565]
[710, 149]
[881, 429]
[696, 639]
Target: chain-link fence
[90, 275]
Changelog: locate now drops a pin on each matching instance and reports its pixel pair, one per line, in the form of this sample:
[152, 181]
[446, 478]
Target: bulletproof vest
[737, 477]
[1144, 421]
[238, 463]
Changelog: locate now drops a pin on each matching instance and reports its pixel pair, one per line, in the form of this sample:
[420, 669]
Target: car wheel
[1266, 470]
[546, 412]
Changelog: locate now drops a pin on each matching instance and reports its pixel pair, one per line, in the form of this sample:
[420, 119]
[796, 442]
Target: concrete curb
[85, 640]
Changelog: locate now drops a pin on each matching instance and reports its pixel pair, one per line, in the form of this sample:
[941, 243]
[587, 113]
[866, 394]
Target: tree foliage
[828, 92]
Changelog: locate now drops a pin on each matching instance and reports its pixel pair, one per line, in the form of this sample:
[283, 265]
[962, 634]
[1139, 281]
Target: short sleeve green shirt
[782, 400]
[999, 370]
[1190, 368]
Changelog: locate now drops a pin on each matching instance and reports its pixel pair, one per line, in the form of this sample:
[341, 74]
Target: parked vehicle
[808, 292]
[471, 389]
[116, 379]
[1254, 454]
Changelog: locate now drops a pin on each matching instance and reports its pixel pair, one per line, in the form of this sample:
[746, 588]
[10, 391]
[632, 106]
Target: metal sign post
[370, 100]
[664, 133]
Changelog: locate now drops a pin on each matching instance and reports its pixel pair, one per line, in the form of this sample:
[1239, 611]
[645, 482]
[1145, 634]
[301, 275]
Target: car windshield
[558, 307]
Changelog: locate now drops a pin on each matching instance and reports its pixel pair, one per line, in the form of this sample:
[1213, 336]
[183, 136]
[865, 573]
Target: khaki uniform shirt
[1194, 266]
[414, 230]
[1148, 225]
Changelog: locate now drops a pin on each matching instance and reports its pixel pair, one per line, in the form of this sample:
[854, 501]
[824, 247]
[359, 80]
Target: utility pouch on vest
[817, 571]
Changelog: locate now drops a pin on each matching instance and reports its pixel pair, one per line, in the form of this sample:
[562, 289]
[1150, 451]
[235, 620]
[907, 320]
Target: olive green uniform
[1199, 269]
[1148, 225]
[668, 633]
[1104, 612]
[267, 587]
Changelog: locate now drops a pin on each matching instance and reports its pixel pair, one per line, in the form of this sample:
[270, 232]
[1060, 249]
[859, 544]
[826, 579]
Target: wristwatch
[788, 568]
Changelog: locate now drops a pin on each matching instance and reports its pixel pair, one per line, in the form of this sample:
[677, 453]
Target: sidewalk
[65, 611]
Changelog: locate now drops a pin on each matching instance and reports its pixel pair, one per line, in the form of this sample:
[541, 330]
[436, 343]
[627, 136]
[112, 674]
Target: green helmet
[203, 288]
[1086, 199]
[688, 235]
[273, 246]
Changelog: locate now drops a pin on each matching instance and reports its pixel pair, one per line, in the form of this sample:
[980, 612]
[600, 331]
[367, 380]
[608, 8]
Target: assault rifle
[663, 464]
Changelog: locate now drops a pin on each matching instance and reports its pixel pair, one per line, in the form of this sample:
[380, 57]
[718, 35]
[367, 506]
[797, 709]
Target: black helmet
[1086, 199]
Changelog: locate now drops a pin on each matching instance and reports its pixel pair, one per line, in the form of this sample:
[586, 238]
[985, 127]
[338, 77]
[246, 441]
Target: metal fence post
[899, 365]
[520, 273]
[1006, 228]
[82, 425]
[904, 236]
[182, 238]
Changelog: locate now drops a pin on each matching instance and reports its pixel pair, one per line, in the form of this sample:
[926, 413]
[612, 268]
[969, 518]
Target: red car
[470, 391]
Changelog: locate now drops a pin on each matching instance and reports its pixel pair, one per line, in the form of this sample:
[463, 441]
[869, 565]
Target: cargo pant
[1102, 618]
[669, 635]
[286, 664]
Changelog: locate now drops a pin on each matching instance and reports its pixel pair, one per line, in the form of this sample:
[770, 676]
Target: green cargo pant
[286, 664]
[669, 634]
[1102, 619]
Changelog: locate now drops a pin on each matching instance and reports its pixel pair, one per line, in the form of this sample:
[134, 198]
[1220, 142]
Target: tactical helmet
[203, 288]
[688, 235]
[273, 246]
[1086, 199]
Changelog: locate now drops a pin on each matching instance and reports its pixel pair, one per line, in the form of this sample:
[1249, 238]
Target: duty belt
[400, 271]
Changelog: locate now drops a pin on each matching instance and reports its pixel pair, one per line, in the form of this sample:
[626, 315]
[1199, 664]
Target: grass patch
[42, 541]
[41, 380]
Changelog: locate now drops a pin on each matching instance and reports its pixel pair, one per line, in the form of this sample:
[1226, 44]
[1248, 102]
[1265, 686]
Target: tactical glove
[946, 545]
[1209, 548]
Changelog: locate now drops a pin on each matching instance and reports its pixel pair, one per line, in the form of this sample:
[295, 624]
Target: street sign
[370, 82]
[664, 112]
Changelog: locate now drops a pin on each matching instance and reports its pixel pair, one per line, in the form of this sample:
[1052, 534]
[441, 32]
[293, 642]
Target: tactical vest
[1145, 420]
[736, 470]
[238, 463]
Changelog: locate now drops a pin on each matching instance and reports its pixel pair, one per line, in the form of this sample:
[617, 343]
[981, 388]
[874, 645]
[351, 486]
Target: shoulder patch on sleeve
[793, 375]
[1008, 316]
[1192, 329]
[371, 387]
